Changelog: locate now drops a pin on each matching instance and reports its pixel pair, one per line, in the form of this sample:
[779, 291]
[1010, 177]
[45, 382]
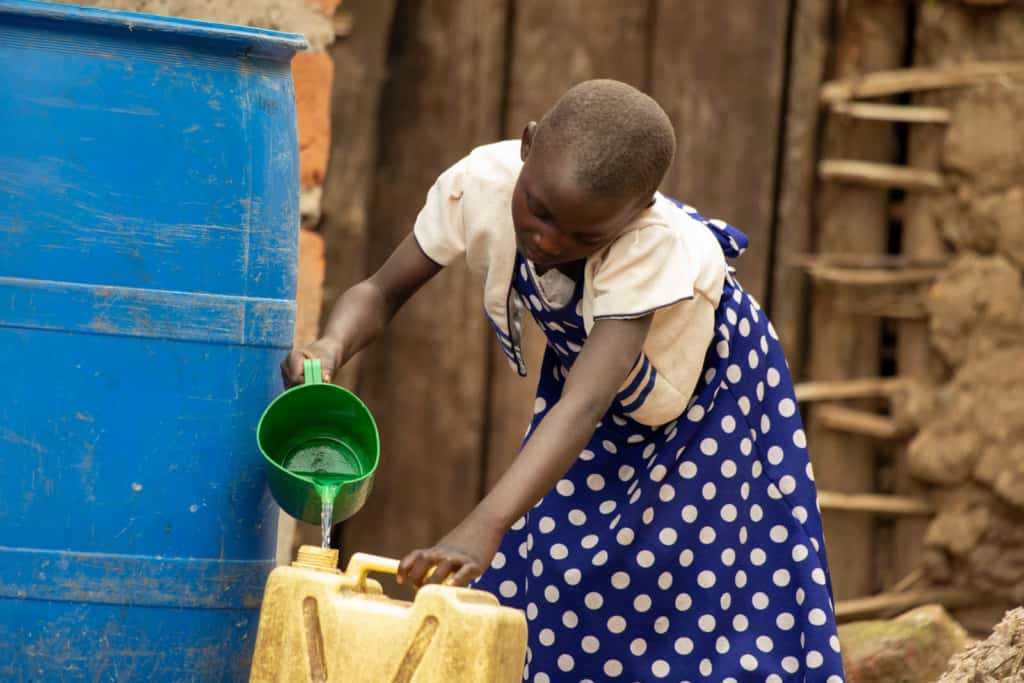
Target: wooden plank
[907, 582]
[837, 390]
[873, 277]
[887, 261]
[905, 302]
[555, 45]
[852, 219]
[719, 74]
[424, 378]
[887, 604]
[880, 175]
[869, 111]
[915, 357]
[808, 49]
[359, 70]
[892, 113]
[895, 81]
[874, 503]
[861, 422]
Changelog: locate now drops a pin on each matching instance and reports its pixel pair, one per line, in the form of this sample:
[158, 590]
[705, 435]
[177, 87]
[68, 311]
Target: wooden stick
[880, 175]
[873, 277]
[860, 422]
[895, 81]
[851, 222]
[900, 302]
[876, 503]
[811, 38]
[860, 608]
[908, 581]
[892, 112]
[838, 260]
[838, 390]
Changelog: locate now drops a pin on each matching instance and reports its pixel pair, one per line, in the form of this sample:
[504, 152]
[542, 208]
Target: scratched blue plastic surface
[148, 246]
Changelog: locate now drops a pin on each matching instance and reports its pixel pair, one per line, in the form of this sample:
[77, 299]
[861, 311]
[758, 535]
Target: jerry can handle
[361, 564]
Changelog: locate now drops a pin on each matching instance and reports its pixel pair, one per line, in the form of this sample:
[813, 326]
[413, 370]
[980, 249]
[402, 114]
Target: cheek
[519, 217]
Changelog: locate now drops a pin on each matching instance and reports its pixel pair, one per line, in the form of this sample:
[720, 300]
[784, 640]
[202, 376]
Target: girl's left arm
[605, 361]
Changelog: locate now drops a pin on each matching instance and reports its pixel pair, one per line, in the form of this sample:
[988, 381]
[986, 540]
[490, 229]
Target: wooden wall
[420, 82]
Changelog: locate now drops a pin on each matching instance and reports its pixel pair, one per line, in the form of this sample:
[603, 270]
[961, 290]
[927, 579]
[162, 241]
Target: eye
[536, 209]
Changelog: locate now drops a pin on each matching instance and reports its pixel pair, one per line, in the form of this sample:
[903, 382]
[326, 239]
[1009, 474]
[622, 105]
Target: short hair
[620, 139]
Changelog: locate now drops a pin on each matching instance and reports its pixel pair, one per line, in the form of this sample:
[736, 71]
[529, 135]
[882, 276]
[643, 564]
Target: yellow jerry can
[319, 625]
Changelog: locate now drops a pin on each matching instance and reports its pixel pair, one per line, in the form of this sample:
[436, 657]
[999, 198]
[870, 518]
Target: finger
[405, 565]
[294, 373]
[329, 359]
[284, 372]
[467, 573]
[421, 565]
[443, 569]
[326, 369]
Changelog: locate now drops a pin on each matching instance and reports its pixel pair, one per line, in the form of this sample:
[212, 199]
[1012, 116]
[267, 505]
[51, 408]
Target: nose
[547, 240]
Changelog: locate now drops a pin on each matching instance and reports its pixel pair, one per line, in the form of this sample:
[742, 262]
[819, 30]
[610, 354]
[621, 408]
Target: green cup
[318, 441]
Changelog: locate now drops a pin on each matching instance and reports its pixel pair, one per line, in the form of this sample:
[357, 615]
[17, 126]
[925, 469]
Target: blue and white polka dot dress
[687, 552]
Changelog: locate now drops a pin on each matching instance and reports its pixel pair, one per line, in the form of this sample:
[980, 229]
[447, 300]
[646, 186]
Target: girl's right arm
[363, 311]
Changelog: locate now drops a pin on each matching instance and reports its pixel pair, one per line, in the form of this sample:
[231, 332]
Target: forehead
[552, 180]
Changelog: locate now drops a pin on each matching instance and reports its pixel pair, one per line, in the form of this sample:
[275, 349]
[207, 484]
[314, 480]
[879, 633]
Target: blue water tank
[148, 248]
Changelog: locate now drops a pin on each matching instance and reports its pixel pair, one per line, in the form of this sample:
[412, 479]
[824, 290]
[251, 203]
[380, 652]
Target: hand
[457, 559]
[327, 350]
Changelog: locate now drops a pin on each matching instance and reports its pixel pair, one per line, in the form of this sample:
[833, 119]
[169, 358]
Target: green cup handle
[311, 368]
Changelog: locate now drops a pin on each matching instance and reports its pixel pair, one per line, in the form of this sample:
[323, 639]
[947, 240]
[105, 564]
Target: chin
[544, 261]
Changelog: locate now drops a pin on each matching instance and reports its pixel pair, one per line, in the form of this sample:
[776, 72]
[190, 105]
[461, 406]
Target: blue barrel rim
[251, 41]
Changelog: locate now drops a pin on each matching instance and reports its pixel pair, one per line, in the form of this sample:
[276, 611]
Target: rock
[912, 648]
[977, 540]
[999, 657]
[976, 307]
[957, 221]
[976, 430]
[964, 516]
[985, 124]
[1001, 213]
[985, 223]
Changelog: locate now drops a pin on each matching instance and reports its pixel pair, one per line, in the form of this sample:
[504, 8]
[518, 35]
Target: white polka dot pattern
[689, 551]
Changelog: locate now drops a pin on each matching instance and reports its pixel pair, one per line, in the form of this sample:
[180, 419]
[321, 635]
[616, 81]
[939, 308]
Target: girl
[660, 521]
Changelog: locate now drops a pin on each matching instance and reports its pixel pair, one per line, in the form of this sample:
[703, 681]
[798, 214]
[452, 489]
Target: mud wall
[970, 446]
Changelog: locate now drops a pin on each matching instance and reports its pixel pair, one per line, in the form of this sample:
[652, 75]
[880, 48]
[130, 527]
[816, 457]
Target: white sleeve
[439, 228]
[643, 270]
[655, 269]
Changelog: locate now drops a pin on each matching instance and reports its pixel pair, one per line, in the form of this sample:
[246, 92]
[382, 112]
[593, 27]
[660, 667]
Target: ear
[528, 135]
